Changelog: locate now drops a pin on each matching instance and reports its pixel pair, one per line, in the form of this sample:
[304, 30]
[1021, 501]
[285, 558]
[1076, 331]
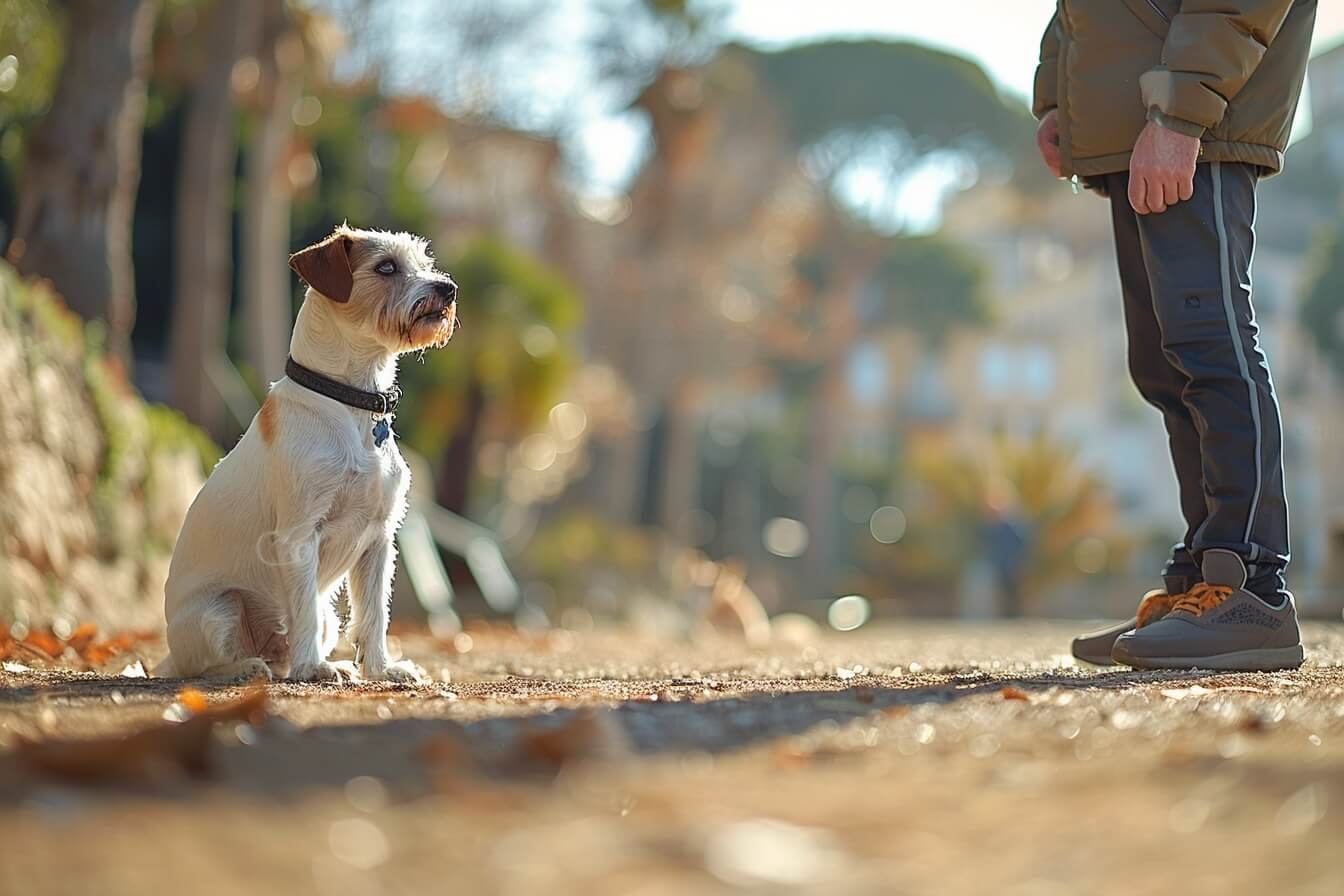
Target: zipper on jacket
[1157, 9]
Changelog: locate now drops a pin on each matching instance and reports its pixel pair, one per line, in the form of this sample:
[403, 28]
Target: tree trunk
[73, 221]
[266, 291]
[204, 246]
[452, 479]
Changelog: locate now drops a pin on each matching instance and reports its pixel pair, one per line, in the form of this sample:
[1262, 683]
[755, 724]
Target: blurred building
[1326, 79]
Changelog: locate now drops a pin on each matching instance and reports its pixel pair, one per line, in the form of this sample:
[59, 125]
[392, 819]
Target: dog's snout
[446, 290]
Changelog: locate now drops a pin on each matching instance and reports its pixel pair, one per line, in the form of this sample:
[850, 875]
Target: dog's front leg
[307, 658]
[370, 591]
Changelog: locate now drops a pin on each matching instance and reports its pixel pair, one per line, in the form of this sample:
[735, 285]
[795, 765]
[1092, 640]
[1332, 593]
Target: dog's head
[383, 283]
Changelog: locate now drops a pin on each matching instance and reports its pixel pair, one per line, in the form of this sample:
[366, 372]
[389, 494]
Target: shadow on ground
[284, 761]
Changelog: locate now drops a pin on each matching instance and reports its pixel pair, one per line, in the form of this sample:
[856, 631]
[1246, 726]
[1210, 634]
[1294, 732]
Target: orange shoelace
[1156, 604]
[1202, 597]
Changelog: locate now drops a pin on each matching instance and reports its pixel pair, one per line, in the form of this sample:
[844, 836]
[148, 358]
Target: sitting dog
[313, 493]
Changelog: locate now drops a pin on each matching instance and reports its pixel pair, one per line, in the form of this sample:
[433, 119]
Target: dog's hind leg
[220, 636]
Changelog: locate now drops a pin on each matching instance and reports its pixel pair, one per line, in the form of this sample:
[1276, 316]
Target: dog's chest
[368, 501]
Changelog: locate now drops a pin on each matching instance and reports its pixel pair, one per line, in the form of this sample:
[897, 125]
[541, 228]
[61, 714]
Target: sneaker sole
[1095, 659]
[1269, 659]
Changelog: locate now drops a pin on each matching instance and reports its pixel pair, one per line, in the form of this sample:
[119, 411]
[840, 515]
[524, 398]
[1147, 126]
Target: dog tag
[381, 430]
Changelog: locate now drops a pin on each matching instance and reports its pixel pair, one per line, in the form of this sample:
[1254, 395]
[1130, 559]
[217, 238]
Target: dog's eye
[386, 267]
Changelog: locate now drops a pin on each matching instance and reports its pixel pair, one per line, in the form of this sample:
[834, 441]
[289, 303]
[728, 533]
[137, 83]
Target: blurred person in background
[1174, 109]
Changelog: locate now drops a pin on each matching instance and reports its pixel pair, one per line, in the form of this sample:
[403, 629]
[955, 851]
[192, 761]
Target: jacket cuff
[1172, 123]
[1181, 95]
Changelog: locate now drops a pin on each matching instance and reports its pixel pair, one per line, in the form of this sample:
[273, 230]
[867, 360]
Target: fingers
[1187, 186]
[1138, 193]
[1156, 193]
[1152, 194]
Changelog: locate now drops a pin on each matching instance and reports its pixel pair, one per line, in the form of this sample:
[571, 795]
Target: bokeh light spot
[785, 537]
[848, 613]
[887, 524]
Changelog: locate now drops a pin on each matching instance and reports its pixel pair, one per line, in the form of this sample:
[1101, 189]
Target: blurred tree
[928, 98]
[32, 33]
[503, 378]
[1322, 309]
[82, 165]
[266, 283]
[205, 201]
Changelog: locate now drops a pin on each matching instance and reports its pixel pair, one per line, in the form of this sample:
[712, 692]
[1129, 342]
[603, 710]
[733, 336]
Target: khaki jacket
[1227, 71]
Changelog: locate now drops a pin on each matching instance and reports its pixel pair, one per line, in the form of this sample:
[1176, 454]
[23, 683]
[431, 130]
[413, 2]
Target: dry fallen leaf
[180, 747]
[585, 735]
[193, 700]
[1012, 693]
[82, 637]
[82, 643]
[44, 642]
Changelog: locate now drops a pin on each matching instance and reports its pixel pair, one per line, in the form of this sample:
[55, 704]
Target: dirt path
[905, 759]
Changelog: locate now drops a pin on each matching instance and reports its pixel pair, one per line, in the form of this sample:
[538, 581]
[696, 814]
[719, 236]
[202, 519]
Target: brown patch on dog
[267, 419]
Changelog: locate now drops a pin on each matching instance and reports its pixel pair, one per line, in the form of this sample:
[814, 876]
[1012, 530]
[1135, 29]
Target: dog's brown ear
[325, 266]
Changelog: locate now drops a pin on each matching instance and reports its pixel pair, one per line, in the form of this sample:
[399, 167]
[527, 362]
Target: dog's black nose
[447, 291]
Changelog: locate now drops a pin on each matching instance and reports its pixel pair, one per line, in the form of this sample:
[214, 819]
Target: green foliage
[170, 430]
[517, 319]
[568, 552]
[1322, 309]
[361, 171]
[31, 30]
[931, 285]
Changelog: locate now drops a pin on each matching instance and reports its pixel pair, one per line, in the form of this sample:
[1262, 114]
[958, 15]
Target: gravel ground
[929, 758]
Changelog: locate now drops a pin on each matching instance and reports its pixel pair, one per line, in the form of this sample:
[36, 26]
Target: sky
[1002, 35]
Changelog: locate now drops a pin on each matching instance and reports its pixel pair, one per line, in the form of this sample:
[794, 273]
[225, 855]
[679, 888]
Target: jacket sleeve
[1046, 93]
[1211, 51]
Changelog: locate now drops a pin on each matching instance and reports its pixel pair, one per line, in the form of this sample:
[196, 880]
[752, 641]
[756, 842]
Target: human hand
[1047, 141]
[1162, 169]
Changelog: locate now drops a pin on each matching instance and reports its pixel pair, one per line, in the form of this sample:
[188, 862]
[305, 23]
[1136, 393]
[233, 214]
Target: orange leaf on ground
[45, 642]
[587, 734]
[1012, 693]
[181, 747]
[82, 637]
[556, 746]
[193, 700]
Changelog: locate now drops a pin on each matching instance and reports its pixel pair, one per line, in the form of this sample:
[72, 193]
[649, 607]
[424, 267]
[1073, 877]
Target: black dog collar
[380, 404]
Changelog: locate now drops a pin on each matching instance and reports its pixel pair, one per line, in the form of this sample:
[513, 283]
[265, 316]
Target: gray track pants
[1195, 356]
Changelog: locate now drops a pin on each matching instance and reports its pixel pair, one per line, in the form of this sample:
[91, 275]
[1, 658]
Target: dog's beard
[429, 324]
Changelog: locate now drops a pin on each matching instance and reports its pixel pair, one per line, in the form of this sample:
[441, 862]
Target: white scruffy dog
[313, 493]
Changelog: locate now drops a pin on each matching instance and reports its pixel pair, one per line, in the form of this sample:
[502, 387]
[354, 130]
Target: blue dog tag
[381, 430]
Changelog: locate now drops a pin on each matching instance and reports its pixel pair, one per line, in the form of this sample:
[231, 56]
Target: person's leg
[1162, 385]
[1198, 258]
[1160, 382]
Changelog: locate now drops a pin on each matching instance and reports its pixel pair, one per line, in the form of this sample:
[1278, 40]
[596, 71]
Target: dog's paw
[254, 668]
[324, 670]
[402, 672]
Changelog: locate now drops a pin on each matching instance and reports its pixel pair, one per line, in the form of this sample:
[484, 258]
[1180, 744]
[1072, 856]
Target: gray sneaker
[1096, 647]
[1217, 625]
